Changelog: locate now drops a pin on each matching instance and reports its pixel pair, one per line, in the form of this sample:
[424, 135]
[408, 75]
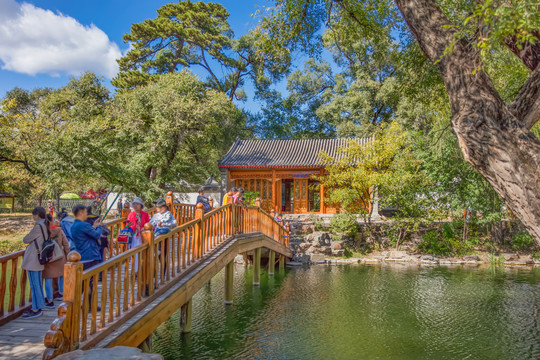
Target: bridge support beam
[257, 267]
[185, 317]
[271, 262]
[146, 345]
[281, 263]
[229, 275]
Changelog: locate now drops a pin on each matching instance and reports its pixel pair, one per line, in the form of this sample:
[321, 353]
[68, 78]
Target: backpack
[45, 255]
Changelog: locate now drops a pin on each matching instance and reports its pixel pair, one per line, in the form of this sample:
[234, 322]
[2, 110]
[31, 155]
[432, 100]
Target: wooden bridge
[136, 290]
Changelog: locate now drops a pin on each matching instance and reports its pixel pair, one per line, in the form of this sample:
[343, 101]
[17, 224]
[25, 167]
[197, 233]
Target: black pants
[86, 266]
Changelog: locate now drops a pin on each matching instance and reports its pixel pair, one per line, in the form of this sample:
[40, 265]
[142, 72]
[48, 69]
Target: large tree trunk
[494, 138]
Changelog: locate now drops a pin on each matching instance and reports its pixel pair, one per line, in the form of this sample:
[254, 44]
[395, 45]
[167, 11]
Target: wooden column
[257, 267]
[185, 317]
[73, 270]
[198, 235]
[169, 200]
[147, 236]
[281, 263]
[229, 275]
[275, 200]
[126, 210]
[271, 262]
[321, 186]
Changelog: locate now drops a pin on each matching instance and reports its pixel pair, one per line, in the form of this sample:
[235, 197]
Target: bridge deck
[23, 339]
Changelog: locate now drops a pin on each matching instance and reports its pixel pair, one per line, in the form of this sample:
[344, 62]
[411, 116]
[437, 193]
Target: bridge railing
[15, 296]
[137, 273]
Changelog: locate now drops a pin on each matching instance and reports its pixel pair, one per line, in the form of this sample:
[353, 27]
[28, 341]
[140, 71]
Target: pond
[397, 311]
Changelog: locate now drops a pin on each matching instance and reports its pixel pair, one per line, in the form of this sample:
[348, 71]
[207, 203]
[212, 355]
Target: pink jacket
[132, 217]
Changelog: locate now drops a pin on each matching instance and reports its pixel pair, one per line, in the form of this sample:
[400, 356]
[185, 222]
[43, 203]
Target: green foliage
[345, 224]
[433, 243]
[188, 34]
[174, 129]
[251, 196]
[446, 241]
[522, 240]
[318, 223]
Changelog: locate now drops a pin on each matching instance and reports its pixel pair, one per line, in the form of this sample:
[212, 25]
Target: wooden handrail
[136, 273]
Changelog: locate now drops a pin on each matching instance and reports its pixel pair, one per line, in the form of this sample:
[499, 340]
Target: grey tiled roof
[281, 153]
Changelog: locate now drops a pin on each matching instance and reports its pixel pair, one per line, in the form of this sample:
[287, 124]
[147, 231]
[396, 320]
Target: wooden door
[300, 196]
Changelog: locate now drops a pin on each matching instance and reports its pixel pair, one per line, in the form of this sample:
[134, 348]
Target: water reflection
[369, 311]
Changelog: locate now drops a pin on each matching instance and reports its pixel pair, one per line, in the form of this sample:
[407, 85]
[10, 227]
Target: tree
[58, 139]
[173, 129]
[196, 34]
[385, 162]
[493, 136]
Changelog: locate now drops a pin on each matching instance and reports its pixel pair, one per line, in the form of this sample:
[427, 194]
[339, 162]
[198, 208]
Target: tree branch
[18, 161]
[527, 52]
[526, 104]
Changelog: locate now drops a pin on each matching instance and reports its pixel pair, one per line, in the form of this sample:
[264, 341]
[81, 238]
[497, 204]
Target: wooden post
[229, 275]
[185, 317]
[198, 236]
[169, 200]
[281, 263]
[73, 270]
[271, 262]
[322, 206]
[126, 210]
[275, 199]
[258, 203]
[148, 238]
[257, 267]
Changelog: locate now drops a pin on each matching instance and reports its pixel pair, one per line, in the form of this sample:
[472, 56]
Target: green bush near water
[522, 240]
[445, 242]
[344, 224]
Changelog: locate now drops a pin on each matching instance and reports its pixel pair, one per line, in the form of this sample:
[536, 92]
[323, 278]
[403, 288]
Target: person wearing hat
[136, 221]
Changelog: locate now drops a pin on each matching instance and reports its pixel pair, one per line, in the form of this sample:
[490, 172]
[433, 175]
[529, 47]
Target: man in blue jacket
[85, 238]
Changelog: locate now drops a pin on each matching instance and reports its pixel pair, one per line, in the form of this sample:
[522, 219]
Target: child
[163, 220]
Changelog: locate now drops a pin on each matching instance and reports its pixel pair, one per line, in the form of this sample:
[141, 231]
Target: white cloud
[35, 40]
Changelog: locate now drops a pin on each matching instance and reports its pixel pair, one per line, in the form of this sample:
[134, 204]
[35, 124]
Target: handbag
[125, 236]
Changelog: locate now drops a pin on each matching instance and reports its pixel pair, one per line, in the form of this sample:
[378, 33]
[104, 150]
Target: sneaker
[30, 314]
[50, 306]
[59, 298]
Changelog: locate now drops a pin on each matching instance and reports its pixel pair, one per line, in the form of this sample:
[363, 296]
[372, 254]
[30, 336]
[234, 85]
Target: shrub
[522, 240]
[344, 224]
[318, 223]
[433, 243]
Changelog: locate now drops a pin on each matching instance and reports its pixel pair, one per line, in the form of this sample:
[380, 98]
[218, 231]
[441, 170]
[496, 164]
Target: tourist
[136, 221]
[162, 221]
[31, 264]
[54, 271]
[66, 221]
[86, 237]
[203, 200]
[119, 205]
[228, 195]
[103, 241]
[51, 207]
[86, 240]
[239, 193]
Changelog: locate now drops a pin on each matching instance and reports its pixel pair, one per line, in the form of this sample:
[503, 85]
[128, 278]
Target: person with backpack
[103, 241]
[203, 200]
[54, 270]
[32, 260]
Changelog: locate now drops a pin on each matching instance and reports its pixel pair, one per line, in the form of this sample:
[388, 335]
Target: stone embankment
[319, 247]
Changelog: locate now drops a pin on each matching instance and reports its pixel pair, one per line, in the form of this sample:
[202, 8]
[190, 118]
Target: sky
[43, 43]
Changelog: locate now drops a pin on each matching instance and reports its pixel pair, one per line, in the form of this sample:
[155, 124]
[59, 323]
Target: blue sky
[38, 35]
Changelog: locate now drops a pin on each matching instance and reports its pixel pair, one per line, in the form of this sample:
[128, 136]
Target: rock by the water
[317, 258]
[294, 263]
[118, 352]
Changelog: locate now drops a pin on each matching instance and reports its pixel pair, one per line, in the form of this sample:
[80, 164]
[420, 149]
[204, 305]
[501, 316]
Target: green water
[364, 312]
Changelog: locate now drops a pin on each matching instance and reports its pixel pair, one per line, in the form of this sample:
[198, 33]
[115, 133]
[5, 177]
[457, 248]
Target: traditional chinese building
[283, 172]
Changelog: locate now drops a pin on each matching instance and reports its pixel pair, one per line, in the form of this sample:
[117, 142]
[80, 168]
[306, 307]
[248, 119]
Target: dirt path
[15, 223]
